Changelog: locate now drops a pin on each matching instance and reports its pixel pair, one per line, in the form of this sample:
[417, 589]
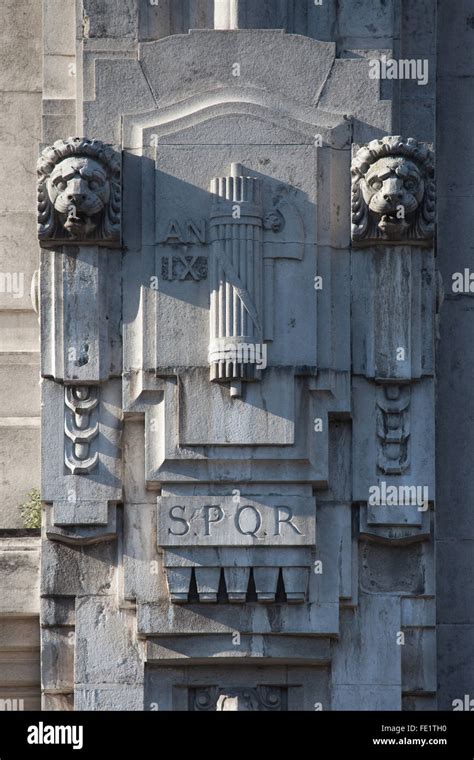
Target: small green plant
[31, 510]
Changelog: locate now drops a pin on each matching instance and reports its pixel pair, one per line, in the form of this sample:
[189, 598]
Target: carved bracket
[81, 426]
[393, 428]
[393, 193]
[79, 193]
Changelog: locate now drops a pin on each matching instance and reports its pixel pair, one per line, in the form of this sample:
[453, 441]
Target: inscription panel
[223, 521]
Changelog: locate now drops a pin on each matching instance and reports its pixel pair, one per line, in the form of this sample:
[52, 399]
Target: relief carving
[393, 428]
[257, 699]
[183, 268]
[81, 427]
[236, 278]
[393, 192]
[79, 193]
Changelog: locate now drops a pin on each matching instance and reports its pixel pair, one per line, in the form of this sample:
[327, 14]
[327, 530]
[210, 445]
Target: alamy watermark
[12, 705]
[466, 704]
[384, 495]
[13, 282]
[463, 282]
[404, 68]
[46, 734]
[247, 353]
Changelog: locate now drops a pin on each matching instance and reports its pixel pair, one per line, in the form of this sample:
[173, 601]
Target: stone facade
[240, 310]
[21, 88]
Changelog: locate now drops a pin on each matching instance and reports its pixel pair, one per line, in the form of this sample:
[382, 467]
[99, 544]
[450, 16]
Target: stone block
[59, 76]
[120, 87]
[57, 658]
[19, 328]
[133, 441]
[392, 568]
[455, 44]
[20, 133]
[366, 19]
[72, 571]
[368, 653]
[107, 651]
[20, 474]
[102, 18]
[141, 566]
[349, 90]
[363, 698]
[211, 56]
[19, 669]
[419, 661]
[458, 182]
[57, 702]
[20, 369]
[18, 262]
[20, 58]
[455, 663]
[17, 633]
[108, 698]
[277, 648]
[59, 27]
[57, 611]
[454, 561]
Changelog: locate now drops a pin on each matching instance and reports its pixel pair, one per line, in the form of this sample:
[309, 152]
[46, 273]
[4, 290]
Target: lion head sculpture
[393, 192]
[79, 193]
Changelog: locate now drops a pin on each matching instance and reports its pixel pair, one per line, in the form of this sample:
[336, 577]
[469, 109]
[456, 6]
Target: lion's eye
[410, 184]
[375, 184]
[61, 185]
[93, 184]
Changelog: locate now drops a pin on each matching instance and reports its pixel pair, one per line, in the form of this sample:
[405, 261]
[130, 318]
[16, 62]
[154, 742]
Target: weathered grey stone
[419, 661]
[108, 697]
[212, 54]
[236, 238]
[57, 611]
[59, 36]
[226, 522]
[101, 626]
[22, 474]
[370, 655]
[393, 192]
[101, 19]
[79, 193]
[57, 655]
[21, 50]
[312, 689]
[75, 571]
[57, 702]
[174, 649]
[19, 569]
[455, 666]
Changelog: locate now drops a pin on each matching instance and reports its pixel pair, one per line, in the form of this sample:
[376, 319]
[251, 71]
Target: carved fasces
[393, 193]
[236, 329]
[79, 193]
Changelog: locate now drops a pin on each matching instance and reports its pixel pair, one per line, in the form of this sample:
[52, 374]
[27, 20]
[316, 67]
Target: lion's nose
[391, 197]
[76, 197]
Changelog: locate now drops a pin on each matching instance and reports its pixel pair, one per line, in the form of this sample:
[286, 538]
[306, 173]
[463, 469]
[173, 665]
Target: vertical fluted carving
[81, 426]
[226, 14]
[236, 332]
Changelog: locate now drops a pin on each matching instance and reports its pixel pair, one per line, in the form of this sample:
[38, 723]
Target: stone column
[79, 226]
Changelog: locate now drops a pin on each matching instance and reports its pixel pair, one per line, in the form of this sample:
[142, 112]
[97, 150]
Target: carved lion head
[393, 193]
[79, 192]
